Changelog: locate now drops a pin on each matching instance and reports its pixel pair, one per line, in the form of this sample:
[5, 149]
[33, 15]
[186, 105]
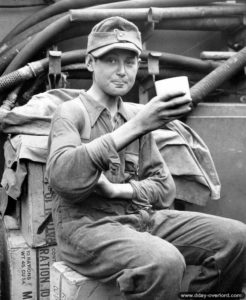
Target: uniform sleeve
[73, 168]
[155, 184]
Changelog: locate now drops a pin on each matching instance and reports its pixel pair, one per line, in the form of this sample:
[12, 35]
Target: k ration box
[27, 270]
[67, 284]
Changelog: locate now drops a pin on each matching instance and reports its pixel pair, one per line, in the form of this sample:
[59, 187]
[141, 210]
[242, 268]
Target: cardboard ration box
[67, 284]
[27, 270]
[36, 205]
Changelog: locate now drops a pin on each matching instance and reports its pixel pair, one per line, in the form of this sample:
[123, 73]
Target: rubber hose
[10, 55]
[199, 91]
[180, 61]
[167, 59]
[29, 32]
[62, 6]
[79, 71]
[196, 63]
[10, 101]
[17, 41]
[34, 69]
[214, 79]
[75, 30]
[38, 41]
[77, 56]
[38, 26]
[46, 35]
[49, 11]
[15, 78]
[12, 68]
[87, 15]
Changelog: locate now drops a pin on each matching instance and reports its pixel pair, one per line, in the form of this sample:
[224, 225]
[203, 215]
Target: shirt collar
[122, 109]
[95, 108]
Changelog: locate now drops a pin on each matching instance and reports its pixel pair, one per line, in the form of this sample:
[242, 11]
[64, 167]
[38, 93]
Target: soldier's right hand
[163, 109]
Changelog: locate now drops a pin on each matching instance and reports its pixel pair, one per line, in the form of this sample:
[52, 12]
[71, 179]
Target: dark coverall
[139, 243]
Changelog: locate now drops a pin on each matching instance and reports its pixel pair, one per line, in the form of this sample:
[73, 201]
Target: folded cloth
[34, 117]
[190, 163]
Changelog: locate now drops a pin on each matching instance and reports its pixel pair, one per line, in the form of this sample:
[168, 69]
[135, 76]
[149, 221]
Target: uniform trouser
[146, 254]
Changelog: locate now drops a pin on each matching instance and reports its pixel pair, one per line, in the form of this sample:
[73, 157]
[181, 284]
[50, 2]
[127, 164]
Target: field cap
[114, 33]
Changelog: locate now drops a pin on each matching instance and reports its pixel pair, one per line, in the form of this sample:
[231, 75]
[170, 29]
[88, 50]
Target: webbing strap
[86, 129]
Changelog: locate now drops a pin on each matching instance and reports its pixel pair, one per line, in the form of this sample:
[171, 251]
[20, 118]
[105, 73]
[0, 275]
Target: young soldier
[112, 189]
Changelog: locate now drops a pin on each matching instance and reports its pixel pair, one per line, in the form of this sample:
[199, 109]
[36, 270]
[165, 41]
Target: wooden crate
[68, 284]
[27, 270]
[35, 205]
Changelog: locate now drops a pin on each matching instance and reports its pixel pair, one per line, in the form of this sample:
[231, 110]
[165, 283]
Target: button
[121, 35]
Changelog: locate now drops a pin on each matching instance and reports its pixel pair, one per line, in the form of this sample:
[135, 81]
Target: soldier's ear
[89, 60]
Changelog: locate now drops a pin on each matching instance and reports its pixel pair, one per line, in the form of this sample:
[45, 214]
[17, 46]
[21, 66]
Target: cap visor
[125, 46]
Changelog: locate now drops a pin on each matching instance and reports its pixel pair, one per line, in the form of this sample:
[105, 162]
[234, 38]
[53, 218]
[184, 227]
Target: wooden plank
[36, 204]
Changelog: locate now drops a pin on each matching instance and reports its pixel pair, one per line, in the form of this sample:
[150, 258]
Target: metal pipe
[50, 11]
[216, 55]
[157, 3]
[228, 3]
[155, 14]
[172, 72]
[82, 15]
[187, 63]
[207, 24]
[214, 79]
[158, 14]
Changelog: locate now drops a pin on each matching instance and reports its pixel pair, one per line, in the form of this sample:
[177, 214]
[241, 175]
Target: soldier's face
[115, 72]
